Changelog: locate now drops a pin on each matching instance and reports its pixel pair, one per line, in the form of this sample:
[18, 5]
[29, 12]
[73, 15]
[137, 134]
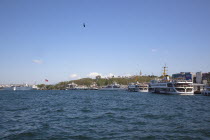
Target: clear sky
[45, 39]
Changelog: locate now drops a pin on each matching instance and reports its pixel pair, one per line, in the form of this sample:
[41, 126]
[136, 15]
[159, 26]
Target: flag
[46, 80]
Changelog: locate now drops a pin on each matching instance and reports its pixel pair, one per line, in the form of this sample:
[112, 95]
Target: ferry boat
[206, 91]
[137, 87]
[167, 86]
[112, 87]
[74, 86]
[172, 87]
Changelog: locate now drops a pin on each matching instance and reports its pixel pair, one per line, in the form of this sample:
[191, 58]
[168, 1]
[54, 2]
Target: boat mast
[165, 71]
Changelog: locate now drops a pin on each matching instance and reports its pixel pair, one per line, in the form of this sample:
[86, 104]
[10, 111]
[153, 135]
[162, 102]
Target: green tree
[41, 86]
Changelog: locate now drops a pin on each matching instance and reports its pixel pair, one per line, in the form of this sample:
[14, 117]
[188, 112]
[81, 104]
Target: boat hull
[112, 89]
[137, 90]
[173, 93]
[171, 90]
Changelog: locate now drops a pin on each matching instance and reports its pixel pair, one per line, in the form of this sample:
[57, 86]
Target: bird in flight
[83, 24]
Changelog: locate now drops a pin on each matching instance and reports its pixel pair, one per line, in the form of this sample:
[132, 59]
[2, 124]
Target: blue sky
[44, 39]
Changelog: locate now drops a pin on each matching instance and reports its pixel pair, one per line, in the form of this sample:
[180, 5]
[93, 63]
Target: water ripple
[102, 115]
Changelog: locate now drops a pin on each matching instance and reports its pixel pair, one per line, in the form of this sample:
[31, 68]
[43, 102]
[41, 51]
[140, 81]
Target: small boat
[138, 87]
[112, 87]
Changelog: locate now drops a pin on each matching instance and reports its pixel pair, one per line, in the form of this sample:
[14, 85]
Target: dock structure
[198, 88]
[206, 91]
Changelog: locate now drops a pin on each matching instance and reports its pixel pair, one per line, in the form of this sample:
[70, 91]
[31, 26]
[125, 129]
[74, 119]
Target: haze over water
[102, 115]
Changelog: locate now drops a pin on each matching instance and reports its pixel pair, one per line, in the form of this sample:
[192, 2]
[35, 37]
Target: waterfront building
[72, 85]
[206, 77]
[183, 76]
[199, 77]
[93, 86]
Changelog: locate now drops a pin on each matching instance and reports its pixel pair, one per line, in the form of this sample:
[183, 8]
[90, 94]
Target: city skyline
[47, 39]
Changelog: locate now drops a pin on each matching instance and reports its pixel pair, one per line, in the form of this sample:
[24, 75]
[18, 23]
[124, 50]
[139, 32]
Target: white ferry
[167, 86]
[137, 87]
[112, 87]
[172, 87]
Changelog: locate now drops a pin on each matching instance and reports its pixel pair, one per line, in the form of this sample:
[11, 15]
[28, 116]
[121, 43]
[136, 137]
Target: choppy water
[102, 115]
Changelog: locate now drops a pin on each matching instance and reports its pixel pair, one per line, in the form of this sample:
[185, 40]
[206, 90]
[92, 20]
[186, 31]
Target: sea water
[77, 114]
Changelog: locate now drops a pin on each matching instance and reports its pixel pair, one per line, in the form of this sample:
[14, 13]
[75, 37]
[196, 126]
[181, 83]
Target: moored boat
[175, 86]
[138, 87]
[172, 87]
[113, 87]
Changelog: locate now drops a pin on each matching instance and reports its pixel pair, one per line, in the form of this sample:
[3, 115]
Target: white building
[199, 77]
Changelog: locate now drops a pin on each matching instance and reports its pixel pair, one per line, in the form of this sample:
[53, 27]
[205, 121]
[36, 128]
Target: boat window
[189, 90]
[180, 89]
[170, 85]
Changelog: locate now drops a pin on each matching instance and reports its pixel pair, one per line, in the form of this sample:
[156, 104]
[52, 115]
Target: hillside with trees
[99, 81]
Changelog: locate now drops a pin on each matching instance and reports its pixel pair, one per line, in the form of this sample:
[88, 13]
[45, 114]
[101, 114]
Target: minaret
[140, 73]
